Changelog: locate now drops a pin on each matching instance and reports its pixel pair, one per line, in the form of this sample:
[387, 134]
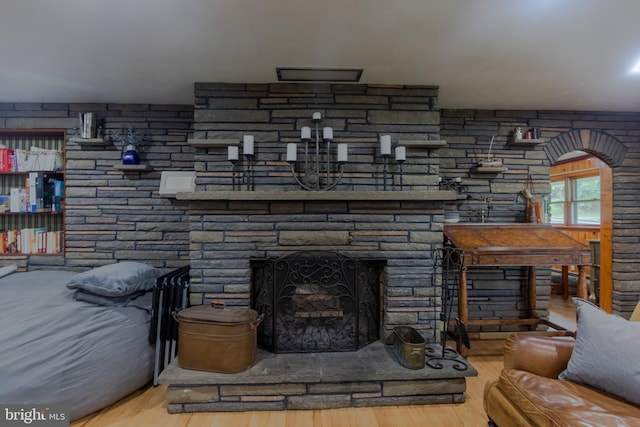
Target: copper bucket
[217, 339]
[409, 347]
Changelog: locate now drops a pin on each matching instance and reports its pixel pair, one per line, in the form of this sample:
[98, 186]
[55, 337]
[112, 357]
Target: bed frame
[170, 294]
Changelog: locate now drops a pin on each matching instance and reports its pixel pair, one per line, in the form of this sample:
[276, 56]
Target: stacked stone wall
[613, 137]
[111, 215]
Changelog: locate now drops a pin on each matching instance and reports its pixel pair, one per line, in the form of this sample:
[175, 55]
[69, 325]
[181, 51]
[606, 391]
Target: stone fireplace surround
[229, 228]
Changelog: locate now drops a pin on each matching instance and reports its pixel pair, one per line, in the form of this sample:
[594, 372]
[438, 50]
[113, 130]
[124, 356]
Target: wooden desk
[517, 244]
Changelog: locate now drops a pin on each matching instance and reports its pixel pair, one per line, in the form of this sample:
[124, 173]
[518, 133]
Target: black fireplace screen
[316, 301]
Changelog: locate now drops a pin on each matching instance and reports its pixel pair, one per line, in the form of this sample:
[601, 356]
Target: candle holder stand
[248, 176]
[400, 162]
[318, 171]
[385, 170]
[234, 171]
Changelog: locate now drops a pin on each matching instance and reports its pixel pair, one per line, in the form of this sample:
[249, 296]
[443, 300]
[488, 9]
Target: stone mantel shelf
[298, 195]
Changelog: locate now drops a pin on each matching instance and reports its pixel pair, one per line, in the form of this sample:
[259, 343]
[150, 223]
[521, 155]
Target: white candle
[385, 145]
[232, 153]
[316, 116]
[327, 133]
[343, 153]
[247, 146]
[292, 152]
[305, 133]
[401, 154]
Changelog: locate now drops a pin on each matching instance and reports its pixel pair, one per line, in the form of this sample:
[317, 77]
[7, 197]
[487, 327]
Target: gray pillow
[606, 353]
[114, 280]
[80, 295]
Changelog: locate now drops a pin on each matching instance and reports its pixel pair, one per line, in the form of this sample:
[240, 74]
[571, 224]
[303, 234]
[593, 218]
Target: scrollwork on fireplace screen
[316, 301]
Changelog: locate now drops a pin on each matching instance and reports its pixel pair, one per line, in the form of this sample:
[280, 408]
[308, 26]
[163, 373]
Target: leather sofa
[529, 393]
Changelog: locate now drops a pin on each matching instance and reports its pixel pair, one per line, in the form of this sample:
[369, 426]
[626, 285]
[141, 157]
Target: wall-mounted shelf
[88, 141]
[132, 168]
[490, 169]
[526, 142]
[217, 142]
[422, 143]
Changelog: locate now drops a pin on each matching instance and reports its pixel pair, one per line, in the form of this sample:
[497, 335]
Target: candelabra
[450, 183]
[385, 153]
[249, 155]
[318, 171]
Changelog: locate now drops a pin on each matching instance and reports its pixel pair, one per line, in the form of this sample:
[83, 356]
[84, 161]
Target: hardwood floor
[147, 407]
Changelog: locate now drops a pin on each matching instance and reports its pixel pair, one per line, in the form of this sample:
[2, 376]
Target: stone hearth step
[370, 376]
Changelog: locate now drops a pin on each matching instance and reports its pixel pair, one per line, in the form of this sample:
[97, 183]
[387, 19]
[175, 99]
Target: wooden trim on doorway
[606, 236]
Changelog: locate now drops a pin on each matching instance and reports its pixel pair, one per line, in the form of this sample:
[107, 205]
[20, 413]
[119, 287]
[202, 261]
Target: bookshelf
[32, 179]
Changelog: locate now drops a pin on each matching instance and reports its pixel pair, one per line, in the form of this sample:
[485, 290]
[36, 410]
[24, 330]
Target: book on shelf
[6, 160]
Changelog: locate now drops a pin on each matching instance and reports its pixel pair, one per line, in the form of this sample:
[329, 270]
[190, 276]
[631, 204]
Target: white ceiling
[494, 54]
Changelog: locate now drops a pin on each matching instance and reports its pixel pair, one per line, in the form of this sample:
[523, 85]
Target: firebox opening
[317, 301]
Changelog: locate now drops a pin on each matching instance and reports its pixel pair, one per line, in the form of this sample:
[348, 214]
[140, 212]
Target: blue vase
[130, 156]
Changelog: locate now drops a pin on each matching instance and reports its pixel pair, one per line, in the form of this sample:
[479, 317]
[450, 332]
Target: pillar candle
[305, 133]
[316, 116]
[232, 153]
[401, 154]
[292, 152]
[327, 133]
[343, 153]
[385, 145]
[247, 146]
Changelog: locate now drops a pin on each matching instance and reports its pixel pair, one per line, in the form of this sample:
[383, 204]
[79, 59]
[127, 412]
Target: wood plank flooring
[147, 407]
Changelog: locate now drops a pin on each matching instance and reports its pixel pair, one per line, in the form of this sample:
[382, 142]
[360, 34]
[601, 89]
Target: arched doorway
[611, 152]
[581, 207]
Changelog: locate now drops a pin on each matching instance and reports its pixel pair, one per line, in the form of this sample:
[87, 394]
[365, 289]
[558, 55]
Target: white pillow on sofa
[606, 353]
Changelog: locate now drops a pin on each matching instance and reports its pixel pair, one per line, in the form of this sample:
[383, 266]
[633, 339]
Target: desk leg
[565, 282]
[582, 283]
[463, 311]
[533, 297]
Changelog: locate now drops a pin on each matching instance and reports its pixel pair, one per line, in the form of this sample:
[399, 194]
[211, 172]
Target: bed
[80, 356]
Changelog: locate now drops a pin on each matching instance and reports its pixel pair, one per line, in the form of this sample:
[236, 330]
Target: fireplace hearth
[316, 301]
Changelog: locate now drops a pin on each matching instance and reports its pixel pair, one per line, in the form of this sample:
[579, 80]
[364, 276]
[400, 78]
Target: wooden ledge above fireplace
[298, 195]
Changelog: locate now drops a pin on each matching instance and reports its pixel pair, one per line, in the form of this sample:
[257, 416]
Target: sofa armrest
[546, 356]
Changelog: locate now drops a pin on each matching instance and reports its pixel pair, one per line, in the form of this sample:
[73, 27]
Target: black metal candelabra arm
[248, 176]
[233, 175]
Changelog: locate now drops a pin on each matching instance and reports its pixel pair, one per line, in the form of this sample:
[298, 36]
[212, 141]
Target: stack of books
[35, 159]
[31, 241]
[43, 192]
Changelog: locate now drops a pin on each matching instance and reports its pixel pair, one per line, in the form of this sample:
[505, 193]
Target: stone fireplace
[273, 218]
[255, 235]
